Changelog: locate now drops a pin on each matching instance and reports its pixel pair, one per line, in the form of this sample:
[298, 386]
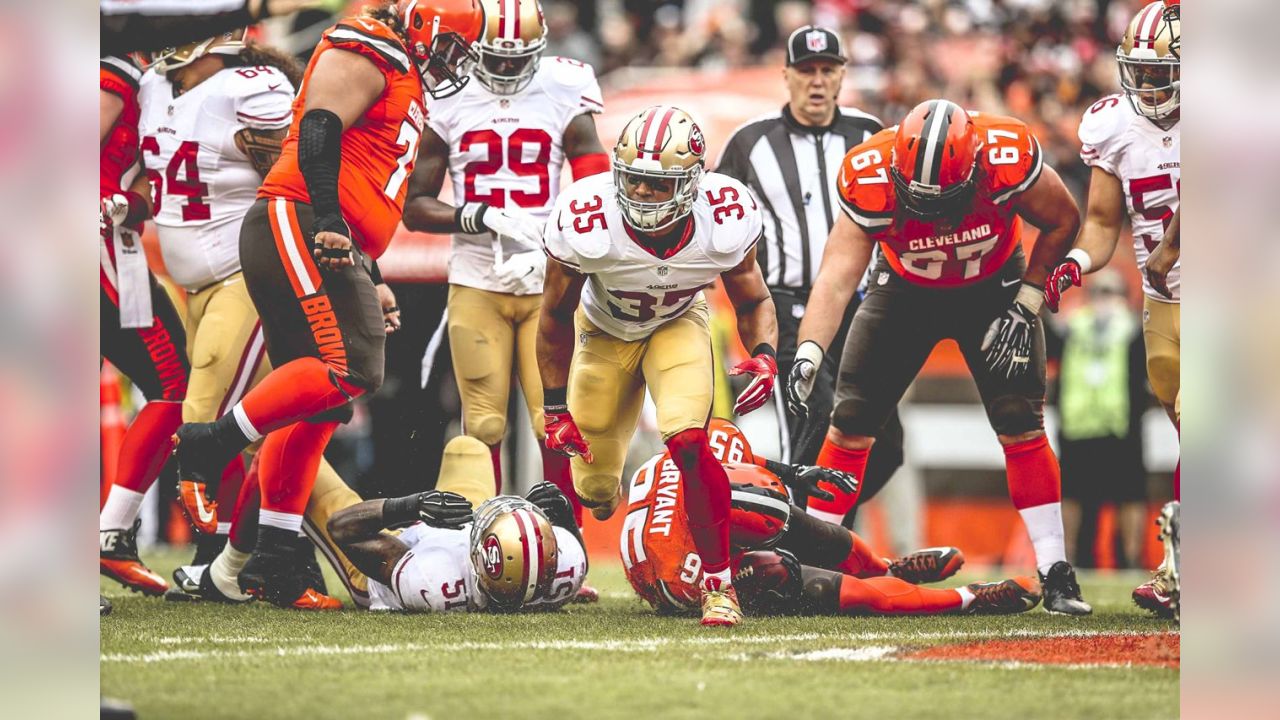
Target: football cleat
[200, 511]
[1170, 531]
[104, 606]
[312, 599]
[1006, 597]
[118, 559]
[927, 566]
[720, 608]
[1156, 595]
[195, 582]
[1062, 592]
[587, 594]
[271, 574]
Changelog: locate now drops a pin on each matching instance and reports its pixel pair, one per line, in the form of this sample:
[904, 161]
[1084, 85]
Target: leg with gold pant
[607, 379]
[491, 335]
[1162, 333]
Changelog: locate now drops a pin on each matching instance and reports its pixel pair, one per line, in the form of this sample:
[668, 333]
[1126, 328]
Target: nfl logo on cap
[815, 40]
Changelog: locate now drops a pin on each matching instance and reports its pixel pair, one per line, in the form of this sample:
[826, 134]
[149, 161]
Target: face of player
[814, 86]
[507, 67]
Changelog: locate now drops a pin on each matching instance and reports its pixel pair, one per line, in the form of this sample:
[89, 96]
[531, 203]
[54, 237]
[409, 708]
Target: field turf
[617, 659]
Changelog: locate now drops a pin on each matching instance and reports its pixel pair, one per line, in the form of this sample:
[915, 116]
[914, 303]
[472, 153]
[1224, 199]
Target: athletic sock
[495, 453]
[966, 597]
[147, 444]
[706, 499]
[225, 572]
[1035, 487]
[287, 465]
[294, 391]
[891, 596]
[121, 508]
[835, 457]
[556, 469]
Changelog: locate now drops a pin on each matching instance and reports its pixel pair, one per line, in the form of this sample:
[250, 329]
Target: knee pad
[488, 429]
[341, 415]
[1015, 415]
[595, 489]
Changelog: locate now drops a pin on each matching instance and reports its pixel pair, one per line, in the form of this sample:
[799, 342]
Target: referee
[790, 160]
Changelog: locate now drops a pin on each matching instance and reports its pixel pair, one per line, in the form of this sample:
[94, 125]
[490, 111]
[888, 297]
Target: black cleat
[193, 583]
[1006, 597]
[927, 566]
[104, 606]
[307, 567]
[271, 573]
[1062, 592]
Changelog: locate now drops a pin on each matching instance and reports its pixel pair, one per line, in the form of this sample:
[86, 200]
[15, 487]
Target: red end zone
[1152, 650]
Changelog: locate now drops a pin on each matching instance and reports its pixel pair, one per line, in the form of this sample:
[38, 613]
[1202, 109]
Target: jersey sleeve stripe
[123, 69]
[278, 118]
[393, 55]
[1037, 164]
[591, 101]
[862, 217]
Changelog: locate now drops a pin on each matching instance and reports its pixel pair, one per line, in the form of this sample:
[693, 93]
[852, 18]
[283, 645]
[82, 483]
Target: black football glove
[553, 503]
[1008, 340]
[444, 509]
[805, 478]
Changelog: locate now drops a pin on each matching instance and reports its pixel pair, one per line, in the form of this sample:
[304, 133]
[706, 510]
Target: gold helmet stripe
[1148, 26]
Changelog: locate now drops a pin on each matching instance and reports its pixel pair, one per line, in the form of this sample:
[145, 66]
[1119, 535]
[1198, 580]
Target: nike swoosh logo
[1011, 283]
[273, 87]
[205, 515]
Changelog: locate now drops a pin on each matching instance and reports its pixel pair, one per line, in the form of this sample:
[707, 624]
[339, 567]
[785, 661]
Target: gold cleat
[720, 608]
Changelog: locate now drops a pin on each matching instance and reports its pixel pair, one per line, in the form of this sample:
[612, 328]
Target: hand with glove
[433, 507]
[1067, 274]
[553, 503]
[804, 479]
[519, 226]
[524, 269]
[1008, 340]
[562, 432]
[804, 372]
[120, 210]
[763, 369]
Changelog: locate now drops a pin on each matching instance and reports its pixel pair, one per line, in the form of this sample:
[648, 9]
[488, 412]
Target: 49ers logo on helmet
[492, 555]
[697, 145]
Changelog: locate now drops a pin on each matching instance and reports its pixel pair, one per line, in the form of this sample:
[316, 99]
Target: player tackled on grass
[783, 559]
[636, 249]
[327, 209]
[945, 194]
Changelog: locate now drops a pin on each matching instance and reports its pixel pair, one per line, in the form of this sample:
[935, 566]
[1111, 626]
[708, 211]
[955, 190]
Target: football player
[622, 310]
[326, 210]
[141, 332]
[504, 140]
[1132, 142]
[945, 194]
[840, 574]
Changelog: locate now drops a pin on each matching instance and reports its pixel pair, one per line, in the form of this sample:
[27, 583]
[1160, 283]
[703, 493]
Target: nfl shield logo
[1168, 141]
[663, 270]
[815, 40]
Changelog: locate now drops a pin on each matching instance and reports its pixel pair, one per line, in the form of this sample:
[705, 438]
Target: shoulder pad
[262, 99]
[1009, 158]
[573, 81]
[866, 190]
[567, 244]
[372, 39]
[1104, 120]
[737, 217]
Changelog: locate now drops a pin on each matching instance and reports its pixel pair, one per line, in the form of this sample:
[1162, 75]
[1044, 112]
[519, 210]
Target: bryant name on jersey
[630, 292]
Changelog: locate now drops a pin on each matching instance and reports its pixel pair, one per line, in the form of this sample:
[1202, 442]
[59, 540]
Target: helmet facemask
[507, 66]
[513, 552]
[174, 58]
[659, 215]
[1153, 87]
[445, 66]
[931, 202]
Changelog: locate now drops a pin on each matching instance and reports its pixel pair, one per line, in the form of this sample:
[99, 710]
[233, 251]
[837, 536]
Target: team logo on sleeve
[493, 556]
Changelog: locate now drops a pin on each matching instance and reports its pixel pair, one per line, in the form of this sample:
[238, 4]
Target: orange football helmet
[443, 37]
[1150, 60]
[934, 155]
[728, 443]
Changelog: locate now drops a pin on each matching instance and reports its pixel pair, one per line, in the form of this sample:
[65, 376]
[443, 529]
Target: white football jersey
[508, 151]
[630, 292]
[436, 575]
[202, 183]
[1146, 159]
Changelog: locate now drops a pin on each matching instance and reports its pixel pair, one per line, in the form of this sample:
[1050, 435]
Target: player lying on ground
[783, 559]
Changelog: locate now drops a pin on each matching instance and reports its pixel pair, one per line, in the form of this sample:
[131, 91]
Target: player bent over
[636, 249]
[327, 209]
[784, 559]
[945, 194]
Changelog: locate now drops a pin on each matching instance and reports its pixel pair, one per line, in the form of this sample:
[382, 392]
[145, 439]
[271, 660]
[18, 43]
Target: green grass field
[617, 659]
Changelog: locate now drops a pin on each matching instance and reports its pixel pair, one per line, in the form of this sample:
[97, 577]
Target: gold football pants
[1162, 332]
[607, 380]
[466, 469]
[226, 347]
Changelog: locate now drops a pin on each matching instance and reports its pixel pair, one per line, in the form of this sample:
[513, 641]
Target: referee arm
[844, 260]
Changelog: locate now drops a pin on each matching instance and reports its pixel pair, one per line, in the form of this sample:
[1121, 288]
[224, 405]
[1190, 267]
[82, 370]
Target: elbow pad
[320, 159]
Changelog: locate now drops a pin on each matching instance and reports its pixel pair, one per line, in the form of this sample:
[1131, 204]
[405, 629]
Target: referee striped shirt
[792, 170]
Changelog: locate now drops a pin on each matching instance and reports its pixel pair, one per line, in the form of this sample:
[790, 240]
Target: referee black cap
[811, 42]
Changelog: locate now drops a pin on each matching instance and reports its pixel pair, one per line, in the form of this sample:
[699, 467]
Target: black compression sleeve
[320, 159]
[400, 511]
[375, 274]
[815, 542]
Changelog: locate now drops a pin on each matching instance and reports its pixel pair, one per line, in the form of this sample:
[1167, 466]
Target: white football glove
[518, 226]
[804, 373]
[525, 269]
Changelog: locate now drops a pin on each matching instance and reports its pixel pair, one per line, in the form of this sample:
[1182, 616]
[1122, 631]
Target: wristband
[1030, 297]
[400, 511]
[470, 217]
[555, 397]
[765, 349]
[1082, 259]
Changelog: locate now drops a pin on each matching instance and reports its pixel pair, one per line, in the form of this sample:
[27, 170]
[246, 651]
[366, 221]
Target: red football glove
[1062, 277]
[763, 369]
[563, 435]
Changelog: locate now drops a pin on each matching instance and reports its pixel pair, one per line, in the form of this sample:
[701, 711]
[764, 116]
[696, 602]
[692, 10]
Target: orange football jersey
[657, 549]
[378, 151]
[119, 150]
[929, 253]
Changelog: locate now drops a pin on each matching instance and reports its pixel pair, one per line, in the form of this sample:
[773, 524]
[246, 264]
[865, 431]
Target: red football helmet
[934, 157]
[443, 38]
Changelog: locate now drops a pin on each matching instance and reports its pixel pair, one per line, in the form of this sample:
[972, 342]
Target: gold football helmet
[514, 37]
[228, 43]
[513, 551]
[662, 148]
[1149, 57]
